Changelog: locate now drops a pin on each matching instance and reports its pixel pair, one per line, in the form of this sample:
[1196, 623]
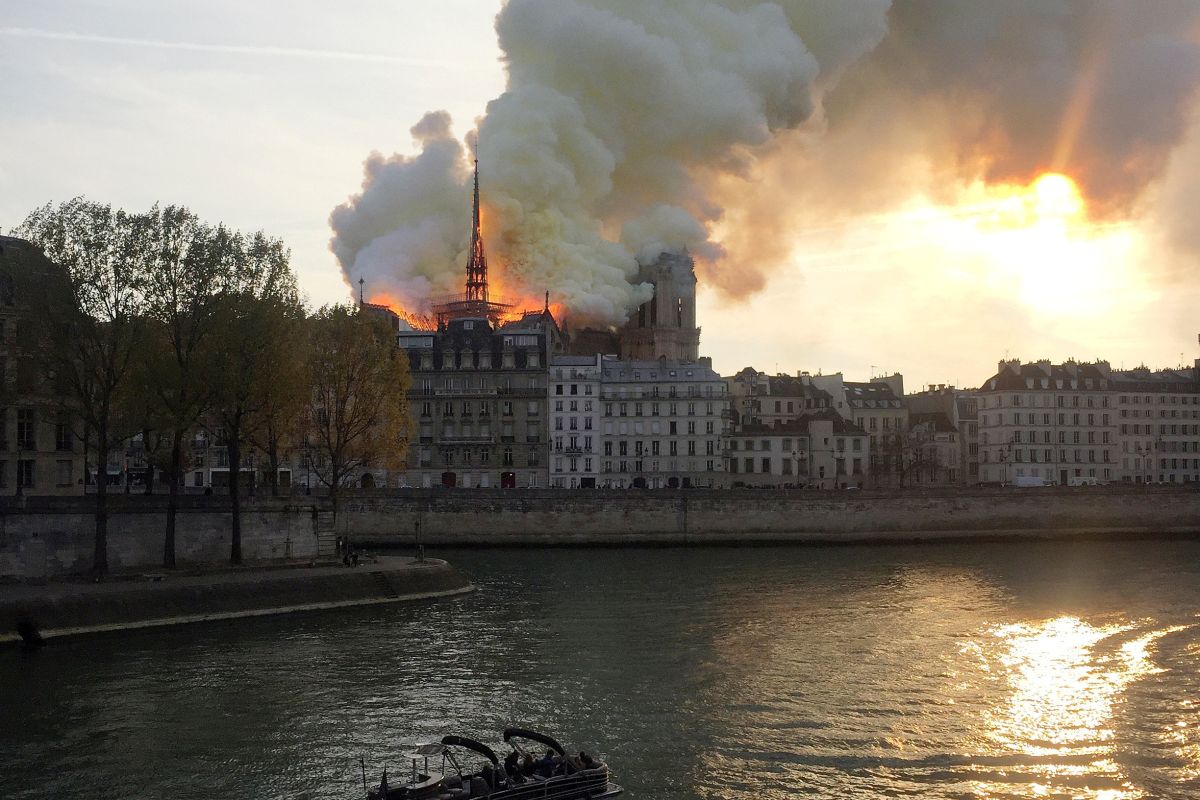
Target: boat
[439, 771]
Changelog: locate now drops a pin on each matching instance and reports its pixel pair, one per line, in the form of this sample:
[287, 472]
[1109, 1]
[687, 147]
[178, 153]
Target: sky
[843, 246]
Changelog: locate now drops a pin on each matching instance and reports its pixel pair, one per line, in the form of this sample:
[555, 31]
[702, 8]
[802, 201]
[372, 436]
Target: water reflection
[1001, 672]
[1065, 676]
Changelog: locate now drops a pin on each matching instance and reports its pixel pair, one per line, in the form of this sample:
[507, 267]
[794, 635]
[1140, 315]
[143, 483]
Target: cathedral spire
[477, 284]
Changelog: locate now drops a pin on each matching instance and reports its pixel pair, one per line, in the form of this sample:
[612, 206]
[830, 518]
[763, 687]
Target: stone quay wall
[43, 537]
[549, 517]
[47, 536]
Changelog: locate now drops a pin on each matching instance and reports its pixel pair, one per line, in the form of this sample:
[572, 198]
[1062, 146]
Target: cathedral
[665, 325]
[662, 327]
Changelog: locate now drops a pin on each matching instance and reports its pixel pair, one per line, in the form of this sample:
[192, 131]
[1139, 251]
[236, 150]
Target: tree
[92, 323]
[358, 404]
[279, 422]
[257, 321]
[191, 266]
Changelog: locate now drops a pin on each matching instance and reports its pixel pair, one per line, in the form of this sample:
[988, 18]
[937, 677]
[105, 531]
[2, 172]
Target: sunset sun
[1035, 243]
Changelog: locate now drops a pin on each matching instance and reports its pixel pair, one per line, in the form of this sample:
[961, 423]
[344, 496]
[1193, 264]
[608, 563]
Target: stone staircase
[326, 535]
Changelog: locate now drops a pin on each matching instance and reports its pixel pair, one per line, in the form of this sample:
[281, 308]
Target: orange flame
[417, 321]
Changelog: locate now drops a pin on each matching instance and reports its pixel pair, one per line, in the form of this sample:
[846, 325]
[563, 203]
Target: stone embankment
[658, 517]
[35, 612]
[41, 538]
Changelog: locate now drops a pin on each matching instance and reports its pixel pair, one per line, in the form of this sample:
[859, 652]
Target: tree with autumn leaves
[357, 410]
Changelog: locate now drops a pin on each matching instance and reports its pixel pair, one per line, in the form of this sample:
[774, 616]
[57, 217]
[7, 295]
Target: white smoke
[631, 128]
[598, 156]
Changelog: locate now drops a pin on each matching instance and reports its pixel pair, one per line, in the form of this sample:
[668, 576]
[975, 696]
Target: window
[26, 438]
[64, 472]
[25, 473]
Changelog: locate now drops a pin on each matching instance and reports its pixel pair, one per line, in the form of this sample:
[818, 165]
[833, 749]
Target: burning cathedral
[484, 374]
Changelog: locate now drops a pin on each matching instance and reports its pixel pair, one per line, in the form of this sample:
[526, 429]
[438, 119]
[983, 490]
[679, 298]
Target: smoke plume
[631, 128]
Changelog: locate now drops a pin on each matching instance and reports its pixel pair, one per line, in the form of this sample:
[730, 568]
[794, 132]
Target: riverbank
[43, 538]
[66, 608]
[450, 518]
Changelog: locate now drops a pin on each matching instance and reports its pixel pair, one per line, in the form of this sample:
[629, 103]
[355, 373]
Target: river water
[947, 671]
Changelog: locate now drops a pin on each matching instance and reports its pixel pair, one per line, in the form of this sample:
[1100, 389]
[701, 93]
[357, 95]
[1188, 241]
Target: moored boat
[440, 772]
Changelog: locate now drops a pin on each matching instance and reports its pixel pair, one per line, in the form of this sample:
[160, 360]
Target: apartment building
[819, 451]
[662, 424]
[1158, 412]
[574, 403]
[1050, 421]
[479, 394]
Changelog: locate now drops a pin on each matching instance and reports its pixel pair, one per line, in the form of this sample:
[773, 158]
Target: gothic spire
[477, 285]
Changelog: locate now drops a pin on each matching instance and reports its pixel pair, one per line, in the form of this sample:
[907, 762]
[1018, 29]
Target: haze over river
[947, 671]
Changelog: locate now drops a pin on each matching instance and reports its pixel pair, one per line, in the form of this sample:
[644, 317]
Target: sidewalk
[70, 607]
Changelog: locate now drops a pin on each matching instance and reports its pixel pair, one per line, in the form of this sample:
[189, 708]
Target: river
[936, 671]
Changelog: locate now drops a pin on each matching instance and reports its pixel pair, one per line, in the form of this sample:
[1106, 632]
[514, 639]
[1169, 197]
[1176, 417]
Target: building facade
[756, 398]
[40, 447]
[662, 424]
[478, 399]
[1158, 412]
[575, 421]
[961, 408]
[1052, 422]
[818, 451]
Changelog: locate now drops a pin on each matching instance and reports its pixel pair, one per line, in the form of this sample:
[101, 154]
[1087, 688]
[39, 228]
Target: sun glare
[1055, 196]
[1035, 242]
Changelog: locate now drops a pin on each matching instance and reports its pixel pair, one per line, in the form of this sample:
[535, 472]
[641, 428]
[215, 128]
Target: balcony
[471, 392]
[538, 393]
[473, 439]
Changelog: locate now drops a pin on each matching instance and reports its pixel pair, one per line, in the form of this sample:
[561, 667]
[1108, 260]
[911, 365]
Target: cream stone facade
[574, 403]
[818, 451]
[663, 424]
[1054, 422]
[1158, 412]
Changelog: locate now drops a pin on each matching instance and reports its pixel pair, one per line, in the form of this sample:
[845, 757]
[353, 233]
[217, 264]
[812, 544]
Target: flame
[417, 321]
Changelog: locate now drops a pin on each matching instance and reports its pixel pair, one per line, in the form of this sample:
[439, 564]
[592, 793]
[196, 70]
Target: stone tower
[665, 326]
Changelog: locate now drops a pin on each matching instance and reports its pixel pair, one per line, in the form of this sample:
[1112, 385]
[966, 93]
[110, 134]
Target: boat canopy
[523, 733]
[471, 744]
[431, 749]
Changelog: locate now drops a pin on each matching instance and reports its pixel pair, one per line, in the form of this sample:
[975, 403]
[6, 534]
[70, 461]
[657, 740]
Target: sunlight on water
[1065, 676]
[948, 673]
